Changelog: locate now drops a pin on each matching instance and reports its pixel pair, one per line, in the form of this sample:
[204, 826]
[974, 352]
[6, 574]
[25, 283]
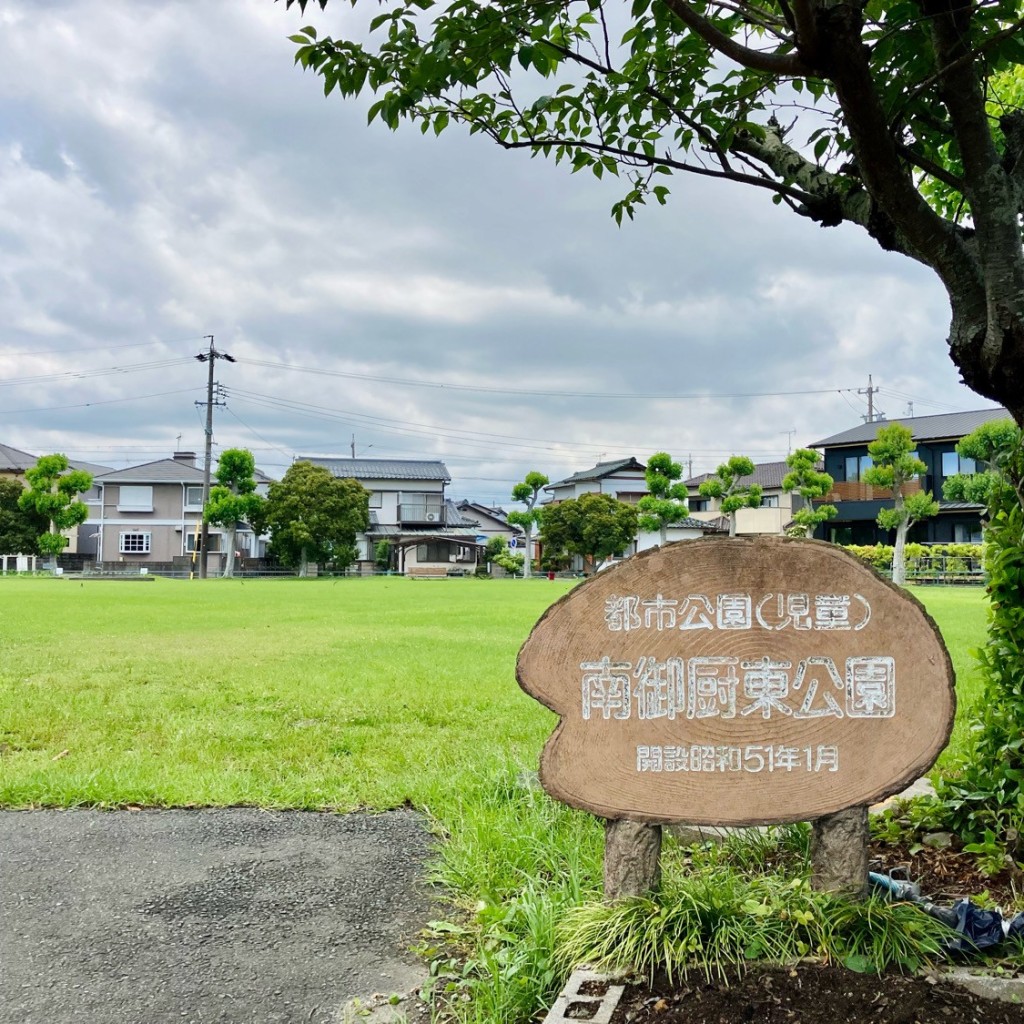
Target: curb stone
[573, 1004]
[988, 986]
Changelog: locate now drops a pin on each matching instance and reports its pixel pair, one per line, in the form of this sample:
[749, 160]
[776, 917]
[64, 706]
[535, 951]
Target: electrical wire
[49, 378]
[106, 401]
[100, 348]
[532, 392]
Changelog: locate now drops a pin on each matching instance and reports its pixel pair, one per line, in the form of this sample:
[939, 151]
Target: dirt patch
[947, 875]
[811, 994]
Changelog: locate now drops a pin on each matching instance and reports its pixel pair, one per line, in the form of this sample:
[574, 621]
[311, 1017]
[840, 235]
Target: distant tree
[996, 449]
[528, 492]
[312, 515]
[727, 486]
[594, 526]
[19, 528]
[667, 501]
[234, 499]
[382, 554]
[894, 465]
[809, 482]
[53, 494]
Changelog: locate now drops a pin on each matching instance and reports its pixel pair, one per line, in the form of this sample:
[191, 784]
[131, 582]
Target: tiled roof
[163, 471]
[952, 425]
[600, 471]
[767, 474]
[474, 507]
[711, 526]
[453, 515]
[382, 469]
[13, 459]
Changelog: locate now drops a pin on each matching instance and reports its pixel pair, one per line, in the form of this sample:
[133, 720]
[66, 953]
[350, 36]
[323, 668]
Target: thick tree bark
[229, 554]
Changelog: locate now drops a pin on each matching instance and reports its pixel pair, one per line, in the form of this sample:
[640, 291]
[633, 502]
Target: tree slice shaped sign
[734, 681]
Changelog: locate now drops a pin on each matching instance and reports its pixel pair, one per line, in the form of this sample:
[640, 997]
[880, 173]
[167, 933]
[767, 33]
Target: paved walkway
[198, 916]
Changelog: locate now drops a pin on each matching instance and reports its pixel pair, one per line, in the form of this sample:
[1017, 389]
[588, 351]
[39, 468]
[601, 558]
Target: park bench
[427, 572]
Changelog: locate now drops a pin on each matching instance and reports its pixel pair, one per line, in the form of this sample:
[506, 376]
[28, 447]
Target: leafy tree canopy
[312, 515]
[53, 494]
[594, 526]
[809, 482]
[528, 491]
[727, 486]
[234, 499]
[900, 118]
[20, 528]
[667, 501]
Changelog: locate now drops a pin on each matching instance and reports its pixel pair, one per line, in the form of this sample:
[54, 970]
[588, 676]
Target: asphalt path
[149, 917]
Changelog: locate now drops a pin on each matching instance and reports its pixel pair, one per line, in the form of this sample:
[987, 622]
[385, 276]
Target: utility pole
[210, 356]
[870, 392]
[353, 446]
[789, 440]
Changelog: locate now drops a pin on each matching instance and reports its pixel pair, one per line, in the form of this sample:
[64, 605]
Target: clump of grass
[717, 921]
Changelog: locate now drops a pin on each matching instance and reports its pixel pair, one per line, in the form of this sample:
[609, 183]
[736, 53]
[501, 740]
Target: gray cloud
[167, 176]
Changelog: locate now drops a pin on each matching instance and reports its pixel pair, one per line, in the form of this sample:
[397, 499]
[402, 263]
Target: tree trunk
[732, 524]
[304, 562]
[664, 534]
[229, 554]
[527, 559]
[899, 562]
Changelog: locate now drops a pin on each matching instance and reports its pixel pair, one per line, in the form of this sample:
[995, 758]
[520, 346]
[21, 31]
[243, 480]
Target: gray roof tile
[600, 471]
[163, 471]
[767, 474]
[952, 425]
[382, 469]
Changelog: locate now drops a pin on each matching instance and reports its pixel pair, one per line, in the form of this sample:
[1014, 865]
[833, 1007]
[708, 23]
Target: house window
[967, 533]
[698, 504]
[952, 463]
[194, 497]
[376, 499]
[433, 551]
[769, 501]
[135, 543]
[856, 465]
[194, 543]
[135, 499]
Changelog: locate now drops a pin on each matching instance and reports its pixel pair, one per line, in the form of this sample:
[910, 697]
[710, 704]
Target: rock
[938, 840]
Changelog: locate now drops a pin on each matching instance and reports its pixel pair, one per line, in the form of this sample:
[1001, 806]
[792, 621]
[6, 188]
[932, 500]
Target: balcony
[430, 513]
[855, 490]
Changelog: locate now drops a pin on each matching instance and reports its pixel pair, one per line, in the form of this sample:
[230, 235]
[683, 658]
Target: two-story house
[777, 505]
[409, 510]
[858, 503]
[14, 463]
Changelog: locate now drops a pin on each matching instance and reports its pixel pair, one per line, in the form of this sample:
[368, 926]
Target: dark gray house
[846, 457]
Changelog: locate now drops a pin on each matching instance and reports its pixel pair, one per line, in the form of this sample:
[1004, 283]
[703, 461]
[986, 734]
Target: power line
[106, 401]
[101, 348]
[532, 392]
[47, 378]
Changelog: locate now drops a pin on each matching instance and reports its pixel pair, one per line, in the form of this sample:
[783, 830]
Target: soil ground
[810, 994]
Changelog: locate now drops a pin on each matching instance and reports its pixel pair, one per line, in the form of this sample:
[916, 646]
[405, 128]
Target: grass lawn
[335, 694]
[282, 693]
[287, 693]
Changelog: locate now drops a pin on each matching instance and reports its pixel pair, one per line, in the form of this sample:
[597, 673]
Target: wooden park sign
[737, 681]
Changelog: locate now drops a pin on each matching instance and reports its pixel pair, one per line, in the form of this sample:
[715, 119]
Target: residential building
[491, 521]
[777, 505]
[858, 503]
[623, 479]
[409, 510]
[152, 513]
[14, 463]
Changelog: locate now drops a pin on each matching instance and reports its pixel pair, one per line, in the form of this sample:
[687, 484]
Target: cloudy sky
[167, 175]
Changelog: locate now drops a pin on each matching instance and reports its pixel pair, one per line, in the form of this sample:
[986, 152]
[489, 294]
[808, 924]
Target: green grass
[291, 693]
[961, 615]
[357, 693]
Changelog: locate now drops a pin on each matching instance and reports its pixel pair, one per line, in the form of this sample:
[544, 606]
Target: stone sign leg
[632, 858]
[839, 852]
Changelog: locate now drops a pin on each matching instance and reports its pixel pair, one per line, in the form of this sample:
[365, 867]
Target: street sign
[513, 543]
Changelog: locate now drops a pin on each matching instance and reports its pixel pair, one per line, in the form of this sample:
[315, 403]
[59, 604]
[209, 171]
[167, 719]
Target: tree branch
[774, 63]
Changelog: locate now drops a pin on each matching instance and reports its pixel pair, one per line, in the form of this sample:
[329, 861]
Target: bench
[427, 572]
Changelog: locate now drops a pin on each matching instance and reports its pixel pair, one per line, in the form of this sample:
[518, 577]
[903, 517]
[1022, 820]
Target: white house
[409, 510]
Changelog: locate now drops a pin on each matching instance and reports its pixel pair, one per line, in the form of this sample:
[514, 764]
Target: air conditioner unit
[432, 517]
